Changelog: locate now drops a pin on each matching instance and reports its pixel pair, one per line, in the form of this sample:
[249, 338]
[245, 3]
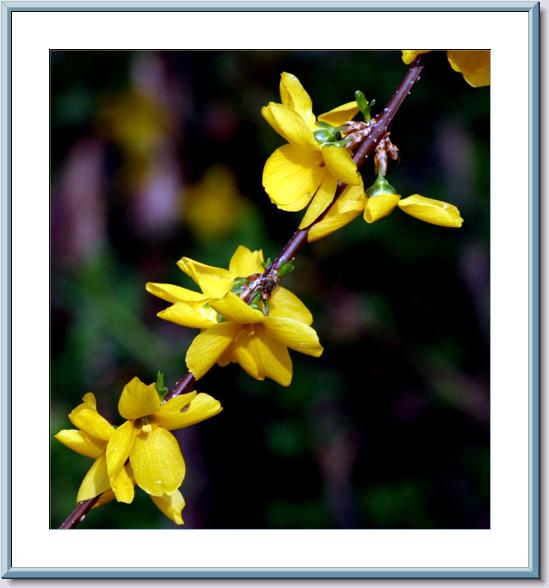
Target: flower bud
[381, 200]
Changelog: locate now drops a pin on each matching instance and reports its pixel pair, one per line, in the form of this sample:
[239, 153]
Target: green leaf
[364, 105]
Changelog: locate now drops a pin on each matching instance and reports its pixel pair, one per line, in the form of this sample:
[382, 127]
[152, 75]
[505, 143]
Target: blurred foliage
[156, 155]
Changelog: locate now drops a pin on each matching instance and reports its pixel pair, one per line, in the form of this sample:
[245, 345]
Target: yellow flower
[353, 202]
[145, 439]
[94, 438]
[233, 331]
[473, 65]
[303, 170]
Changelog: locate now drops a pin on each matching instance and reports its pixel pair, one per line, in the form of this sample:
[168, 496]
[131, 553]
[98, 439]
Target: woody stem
[298, 239]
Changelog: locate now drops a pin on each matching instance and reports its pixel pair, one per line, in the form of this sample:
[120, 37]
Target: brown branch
[379, 127]
[78, 514]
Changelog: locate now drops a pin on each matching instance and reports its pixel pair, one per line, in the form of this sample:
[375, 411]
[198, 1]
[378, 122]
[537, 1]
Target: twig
[78, 514]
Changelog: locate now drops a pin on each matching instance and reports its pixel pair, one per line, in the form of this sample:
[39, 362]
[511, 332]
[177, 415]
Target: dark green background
[390, 428]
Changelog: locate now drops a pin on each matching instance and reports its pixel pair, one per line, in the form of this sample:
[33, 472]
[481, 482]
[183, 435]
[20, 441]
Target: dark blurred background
[156, 155]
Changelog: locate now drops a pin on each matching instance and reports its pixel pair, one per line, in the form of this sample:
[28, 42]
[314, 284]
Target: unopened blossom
[473, 65]
[231, 329]
[304, 171]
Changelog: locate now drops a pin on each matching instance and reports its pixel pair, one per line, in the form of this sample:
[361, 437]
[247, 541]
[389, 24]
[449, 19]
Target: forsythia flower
[473, 65]
[233, 331]
[380, 204]
[155, 460]
[303, 168]
[145, 439]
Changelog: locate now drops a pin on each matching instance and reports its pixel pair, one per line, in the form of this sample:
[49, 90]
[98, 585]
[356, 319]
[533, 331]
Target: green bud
[160, 384]
[286, 268]
[380, 186]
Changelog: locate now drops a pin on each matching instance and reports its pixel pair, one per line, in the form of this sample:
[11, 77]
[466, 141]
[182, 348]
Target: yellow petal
[138, 400]
[267, 115]
[285, 303]
[378, 207]
[118, 449]
[105, 498]
[208, 347]
[122, 487]
[169, 413]
[294, 334]
[189, 315]
[81, 443]
[213, 281]
[201, 407]
[322, 199]
[109, 495]
[474, 65]
[243, 352]
[234, 309]
[171, 505]
[89, 398]
[346, 208]
[431, 211]
[274, 359]
[408, 55]
[172, 293]
[86, 418]
[157, 462]
[245, 262]
[186, 410]
[294, 96]
[291, 176]
[291, 126]
[341, 165]
[95, 481]
[340, 115]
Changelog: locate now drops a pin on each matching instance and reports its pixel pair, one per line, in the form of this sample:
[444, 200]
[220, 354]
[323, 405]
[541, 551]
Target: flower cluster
[307, 171]
[141, 451]
[256, 335]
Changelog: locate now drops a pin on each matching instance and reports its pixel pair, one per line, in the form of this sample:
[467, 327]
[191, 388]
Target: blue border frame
[533, 8]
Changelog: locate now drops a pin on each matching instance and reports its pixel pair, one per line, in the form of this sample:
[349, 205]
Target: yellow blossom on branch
[232, 330]
[473, 65]
[378, 202]
[141, 451]
[145, 439]
[303, 171]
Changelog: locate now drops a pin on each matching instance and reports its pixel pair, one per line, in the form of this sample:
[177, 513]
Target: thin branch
[380, 126]
[78, 514]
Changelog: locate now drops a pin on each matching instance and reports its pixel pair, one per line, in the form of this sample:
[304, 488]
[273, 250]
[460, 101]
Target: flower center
[144, 424]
